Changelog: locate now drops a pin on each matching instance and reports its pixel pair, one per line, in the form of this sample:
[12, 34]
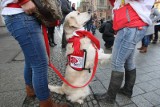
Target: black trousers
[108, 41]
[156, 29]
[64, 41]
[51, 34]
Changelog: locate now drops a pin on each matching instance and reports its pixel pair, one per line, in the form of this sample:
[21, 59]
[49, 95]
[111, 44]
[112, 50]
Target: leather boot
[130, 77]
[114, 86]
[140, 48]
[144, 50]
[30, 91]
[50, 103]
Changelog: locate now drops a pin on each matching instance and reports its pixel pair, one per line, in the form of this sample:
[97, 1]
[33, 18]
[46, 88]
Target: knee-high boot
[114, 86]
[130, 77]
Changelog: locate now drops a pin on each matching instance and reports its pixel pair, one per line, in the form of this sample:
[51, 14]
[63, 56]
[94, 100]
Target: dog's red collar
[81, 34]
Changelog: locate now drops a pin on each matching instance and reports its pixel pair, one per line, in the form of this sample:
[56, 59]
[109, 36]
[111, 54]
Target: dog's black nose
[89, 11]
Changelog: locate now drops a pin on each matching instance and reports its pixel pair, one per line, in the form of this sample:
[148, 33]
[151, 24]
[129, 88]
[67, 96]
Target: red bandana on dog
[77, 59]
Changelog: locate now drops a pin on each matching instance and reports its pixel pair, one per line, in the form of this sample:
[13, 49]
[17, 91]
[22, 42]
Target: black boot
[130, 77]
[114, 86]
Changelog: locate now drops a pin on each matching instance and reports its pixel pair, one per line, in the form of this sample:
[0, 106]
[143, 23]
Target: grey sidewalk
[12, 90]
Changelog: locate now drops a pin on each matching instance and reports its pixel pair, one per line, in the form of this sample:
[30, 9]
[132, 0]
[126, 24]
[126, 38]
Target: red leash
[44, 29]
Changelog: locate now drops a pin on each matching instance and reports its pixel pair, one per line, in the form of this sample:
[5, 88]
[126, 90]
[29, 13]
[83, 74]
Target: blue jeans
[146, 40]
[27, 31]
[124, 48]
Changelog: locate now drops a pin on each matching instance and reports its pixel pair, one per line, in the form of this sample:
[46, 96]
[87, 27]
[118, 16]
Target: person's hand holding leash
[29, 7]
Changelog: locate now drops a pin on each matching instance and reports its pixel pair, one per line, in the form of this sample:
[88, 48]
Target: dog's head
[75, 20]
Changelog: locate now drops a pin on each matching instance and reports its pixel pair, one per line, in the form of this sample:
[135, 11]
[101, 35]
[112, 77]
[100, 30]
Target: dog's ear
[73, 22]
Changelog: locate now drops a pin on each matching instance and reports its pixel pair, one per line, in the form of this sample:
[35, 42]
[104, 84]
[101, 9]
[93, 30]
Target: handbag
[48, 11]
[121, 17]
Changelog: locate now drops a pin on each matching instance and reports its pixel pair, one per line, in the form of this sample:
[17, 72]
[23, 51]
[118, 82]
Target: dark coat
[66, 8]
[108, 30]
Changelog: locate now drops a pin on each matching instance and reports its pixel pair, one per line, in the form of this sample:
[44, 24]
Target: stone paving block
[107, 73]
[146, 86]
[106, 83]
[104, 104]
[144, 77]
[101, 76]
[158, 72]
[97, 87]
[123, 100]
[156, 67]
[157, 91]
[130, 105]
[85, 105]
[154, 74]
[157, 106]
[137, 81]
[105, 66]
[148, 69]
[157, 62]
[19, 57]
[137, 91]
[141, 102]
[140, 71]
[155, 82]
[12, 98]
[152, 98]
[11, 77]
[30, 102]
[98, 70]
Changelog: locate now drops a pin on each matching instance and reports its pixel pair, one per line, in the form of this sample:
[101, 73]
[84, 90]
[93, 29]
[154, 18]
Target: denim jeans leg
[145, 41]
[28, 73]
[124, 47]
[27, 31]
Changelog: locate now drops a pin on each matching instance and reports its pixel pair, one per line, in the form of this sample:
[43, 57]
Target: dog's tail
[56, 89]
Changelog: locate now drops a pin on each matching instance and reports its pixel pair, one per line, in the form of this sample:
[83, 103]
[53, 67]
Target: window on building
[102, 2]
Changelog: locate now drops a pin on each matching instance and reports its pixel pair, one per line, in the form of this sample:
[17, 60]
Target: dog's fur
[75, 21]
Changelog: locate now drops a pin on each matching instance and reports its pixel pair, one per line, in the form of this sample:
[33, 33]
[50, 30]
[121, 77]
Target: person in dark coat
[108, 34]
[73, 7]
[66, 9]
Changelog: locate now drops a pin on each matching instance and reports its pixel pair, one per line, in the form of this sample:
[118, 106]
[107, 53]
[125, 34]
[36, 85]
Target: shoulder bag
[48, 11]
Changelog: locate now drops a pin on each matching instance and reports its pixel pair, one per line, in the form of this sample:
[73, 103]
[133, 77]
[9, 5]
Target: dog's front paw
[57, 89]
[80, 101]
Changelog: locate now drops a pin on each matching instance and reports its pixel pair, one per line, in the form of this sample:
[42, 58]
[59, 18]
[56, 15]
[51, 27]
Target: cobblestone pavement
[146, 91]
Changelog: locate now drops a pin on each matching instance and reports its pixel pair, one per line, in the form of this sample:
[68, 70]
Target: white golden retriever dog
[73, 22]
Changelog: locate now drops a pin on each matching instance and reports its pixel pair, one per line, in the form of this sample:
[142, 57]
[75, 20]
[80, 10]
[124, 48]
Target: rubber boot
[30, 91]
[50, 103]
[114, 86]
[130, 77]
[144, 50]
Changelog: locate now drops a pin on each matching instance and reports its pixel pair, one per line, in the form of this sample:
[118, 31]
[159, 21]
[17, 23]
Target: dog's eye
[78, 13]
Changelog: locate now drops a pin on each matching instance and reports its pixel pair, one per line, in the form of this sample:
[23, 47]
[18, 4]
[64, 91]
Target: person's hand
[29, 7]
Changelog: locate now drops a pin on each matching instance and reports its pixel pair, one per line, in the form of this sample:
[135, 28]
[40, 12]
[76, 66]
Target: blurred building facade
[101, 8]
